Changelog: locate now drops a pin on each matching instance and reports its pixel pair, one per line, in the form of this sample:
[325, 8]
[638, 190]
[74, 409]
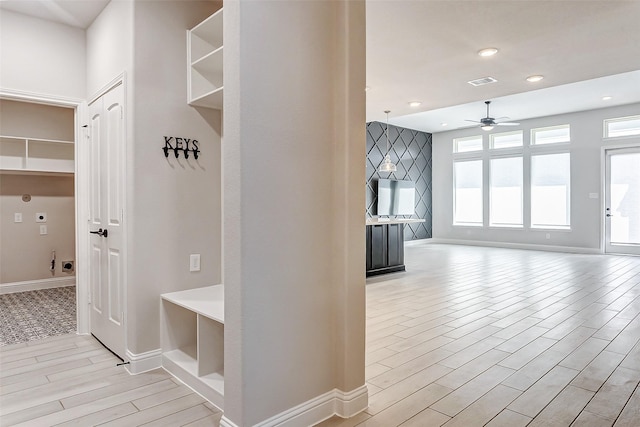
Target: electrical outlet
[41, 217]
[194, 262]
[43, 230]
[17, 217]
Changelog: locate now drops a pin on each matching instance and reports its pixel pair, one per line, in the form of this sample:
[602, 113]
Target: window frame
[468, 138]
[468, 159]
[532, 226]
[606, 122]
[534, 131]
[520, 226]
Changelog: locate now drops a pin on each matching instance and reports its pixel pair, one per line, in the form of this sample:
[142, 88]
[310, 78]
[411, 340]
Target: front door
[622, 201]
[106, 260]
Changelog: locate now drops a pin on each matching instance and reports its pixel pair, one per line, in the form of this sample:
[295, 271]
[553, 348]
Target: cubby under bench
[192, 339]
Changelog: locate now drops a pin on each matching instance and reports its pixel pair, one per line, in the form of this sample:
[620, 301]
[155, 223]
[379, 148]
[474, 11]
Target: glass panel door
[622, 202]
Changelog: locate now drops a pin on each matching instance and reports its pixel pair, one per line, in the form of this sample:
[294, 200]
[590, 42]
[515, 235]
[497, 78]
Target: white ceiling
[426, 50]
[76, 13]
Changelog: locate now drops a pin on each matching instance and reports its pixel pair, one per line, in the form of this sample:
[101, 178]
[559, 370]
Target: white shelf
[192, 338]
[36, 155]
[205, 59]
[207, 301]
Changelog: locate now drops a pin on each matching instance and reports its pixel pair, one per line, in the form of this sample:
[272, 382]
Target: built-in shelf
[192, 335]
[204, 57]
[34, 155]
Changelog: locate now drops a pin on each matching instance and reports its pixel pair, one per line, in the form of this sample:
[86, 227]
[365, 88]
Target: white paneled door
[106, 149]
[622, 201]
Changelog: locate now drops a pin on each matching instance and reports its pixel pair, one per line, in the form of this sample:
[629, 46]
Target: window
[622, 126]
[505, 140]
[551, 135]
[467, 209]
[470, 143]
[550, 178]
[505, 193]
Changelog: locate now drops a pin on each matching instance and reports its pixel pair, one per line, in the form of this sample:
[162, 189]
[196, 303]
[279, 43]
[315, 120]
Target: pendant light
[387, 165]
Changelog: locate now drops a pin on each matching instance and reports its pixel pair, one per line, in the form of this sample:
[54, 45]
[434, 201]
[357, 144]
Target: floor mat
[33, 315]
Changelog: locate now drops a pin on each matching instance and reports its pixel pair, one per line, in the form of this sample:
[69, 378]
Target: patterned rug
[33, 315]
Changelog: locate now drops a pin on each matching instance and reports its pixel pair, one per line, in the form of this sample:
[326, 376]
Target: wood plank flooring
[469, 336]
[473, 336]
[72, 380]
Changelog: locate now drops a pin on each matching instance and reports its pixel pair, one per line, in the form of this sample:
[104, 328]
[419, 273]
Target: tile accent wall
[411, 152]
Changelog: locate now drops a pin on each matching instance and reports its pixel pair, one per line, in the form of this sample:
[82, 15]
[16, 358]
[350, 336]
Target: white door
[622, 201]
[106, 273]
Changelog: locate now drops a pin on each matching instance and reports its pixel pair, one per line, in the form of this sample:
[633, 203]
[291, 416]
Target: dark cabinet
[385, 248]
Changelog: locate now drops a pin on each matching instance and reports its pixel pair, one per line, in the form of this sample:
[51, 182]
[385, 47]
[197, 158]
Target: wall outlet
[41, 217]
[17, 217]
[194, 262]
[43, 230]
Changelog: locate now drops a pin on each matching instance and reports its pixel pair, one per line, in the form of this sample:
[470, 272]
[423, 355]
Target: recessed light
[443, 124]
[415, 104]
[535, 78]
[607, 98]
[490, 51]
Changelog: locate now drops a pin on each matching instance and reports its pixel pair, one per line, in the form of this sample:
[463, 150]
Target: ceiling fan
[487, 123]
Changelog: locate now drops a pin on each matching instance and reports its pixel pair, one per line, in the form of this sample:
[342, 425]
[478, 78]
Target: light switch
[43, 230]
[41, 217]
[593, 195]
[194, 262]
[17, 217]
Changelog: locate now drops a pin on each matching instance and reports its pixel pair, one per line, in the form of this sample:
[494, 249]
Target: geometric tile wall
[410, 150]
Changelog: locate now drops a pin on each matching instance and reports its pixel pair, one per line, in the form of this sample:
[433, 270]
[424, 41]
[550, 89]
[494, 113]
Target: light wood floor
[72, 380]
[469, 336]
[476, 336]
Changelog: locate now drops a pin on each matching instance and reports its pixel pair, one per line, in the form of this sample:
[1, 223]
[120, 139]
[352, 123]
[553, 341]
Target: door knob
[100, 232]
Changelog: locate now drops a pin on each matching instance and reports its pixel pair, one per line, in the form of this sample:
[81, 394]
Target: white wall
[42, 57]
[586, 177]
[25, 255]
[293, 159]
[109, 46]
[174, 204]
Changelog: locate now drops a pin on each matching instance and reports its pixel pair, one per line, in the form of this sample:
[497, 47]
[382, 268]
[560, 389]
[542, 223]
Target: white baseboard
[143, 362]
[316, 410]
[351, 403]
[33, 285]
[526, 246]
[224, 422]
[418, 242]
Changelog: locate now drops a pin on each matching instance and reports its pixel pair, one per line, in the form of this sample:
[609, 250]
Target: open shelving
[34, 155]
[205, 58]
[192, 338]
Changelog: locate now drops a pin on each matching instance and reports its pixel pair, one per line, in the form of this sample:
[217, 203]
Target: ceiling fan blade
[501, 118]
[474, 121]
[508, 124]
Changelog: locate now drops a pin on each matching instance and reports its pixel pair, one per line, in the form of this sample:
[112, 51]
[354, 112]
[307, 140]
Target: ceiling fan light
[486, 127]
[387, 165]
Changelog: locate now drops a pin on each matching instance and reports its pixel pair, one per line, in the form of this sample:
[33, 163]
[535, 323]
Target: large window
[468, 192]
[505, 193]
[550, 178]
